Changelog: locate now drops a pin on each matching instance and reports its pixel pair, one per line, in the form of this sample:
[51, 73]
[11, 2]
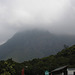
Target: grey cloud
[56, 16]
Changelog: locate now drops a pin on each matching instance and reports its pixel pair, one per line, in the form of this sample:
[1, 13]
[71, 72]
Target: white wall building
[71, 71]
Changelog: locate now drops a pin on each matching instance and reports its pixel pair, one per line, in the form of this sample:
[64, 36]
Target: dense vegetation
[27, 45]
[38, 66]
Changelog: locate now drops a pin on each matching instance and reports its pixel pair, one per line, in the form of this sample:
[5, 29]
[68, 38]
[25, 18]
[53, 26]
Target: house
[60, 71]
[63, 71]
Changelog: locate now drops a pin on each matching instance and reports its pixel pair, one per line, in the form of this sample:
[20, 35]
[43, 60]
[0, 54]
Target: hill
[64, 57]
[26, 45]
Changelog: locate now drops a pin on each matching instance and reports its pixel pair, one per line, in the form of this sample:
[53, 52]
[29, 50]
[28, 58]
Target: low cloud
[56, 16]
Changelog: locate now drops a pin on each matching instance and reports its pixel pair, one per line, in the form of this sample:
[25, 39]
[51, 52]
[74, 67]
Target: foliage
[6, 73]
[7, 67]
[39, 66]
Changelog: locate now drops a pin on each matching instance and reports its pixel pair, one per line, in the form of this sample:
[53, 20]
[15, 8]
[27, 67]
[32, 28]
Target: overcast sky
[57, 16]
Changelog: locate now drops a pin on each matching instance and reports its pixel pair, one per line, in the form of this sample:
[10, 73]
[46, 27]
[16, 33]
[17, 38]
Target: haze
[57, 16]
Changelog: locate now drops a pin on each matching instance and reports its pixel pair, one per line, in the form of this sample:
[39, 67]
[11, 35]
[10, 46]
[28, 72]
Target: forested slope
[38, 66]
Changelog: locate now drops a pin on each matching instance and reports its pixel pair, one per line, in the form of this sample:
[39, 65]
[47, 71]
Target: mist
[56, 16]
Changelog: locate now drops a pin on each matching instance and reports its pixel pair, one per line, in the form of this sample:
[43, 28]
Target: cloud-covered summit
[54, 15]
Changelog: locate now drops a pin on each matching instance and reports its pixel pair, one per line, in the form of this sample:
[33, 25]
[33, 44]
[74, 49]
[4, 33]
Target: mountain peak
[26, 45]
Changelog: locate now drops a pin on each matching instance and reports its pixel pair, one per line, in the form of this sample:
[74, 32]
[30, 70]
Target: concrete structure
[63, 71]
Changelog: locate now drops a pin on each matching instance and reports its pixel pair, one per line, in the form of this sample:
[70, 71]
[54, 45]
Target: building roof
[58, 69]
[71, 69]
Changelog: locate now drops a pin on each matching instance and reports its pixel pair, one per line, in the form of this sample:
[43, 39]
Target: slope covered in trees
[39, 66]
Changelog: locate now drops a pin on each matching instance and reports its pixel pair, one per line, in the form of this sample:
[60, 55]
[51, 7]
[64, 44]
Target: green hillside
[39, 66]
